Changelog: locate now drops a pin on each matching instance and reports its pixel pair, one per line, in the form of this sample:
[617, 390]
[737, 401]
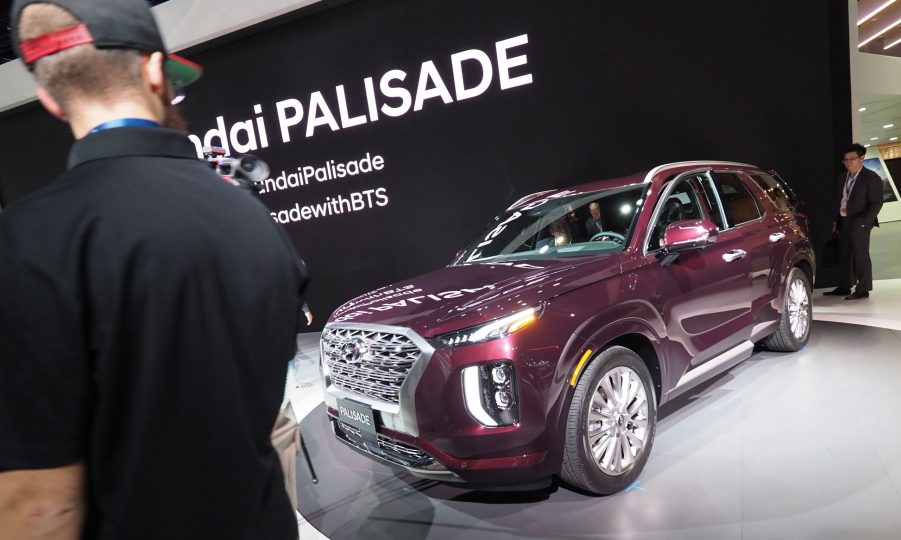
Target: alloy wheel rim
[798, 309]
[617, 425]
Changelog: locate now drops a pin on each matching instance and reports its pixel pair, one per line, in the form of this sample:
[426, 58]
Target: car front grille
[369, 362]
[389, 449]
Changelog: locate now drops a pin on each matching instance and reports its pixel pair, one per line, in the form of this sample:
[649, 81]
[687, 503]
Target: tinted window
[738, 203]
[774, 190]
[681, 203]
[561, 224]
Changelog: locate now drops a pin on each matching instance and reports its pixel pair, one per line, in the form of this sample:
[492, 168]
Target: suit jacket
[865, 199]
[592, 227]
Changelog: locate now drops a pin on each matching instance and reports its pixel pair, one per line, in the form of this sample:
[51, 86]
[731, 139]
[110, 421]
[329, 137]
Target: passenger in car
[593, 224]
[559, 232]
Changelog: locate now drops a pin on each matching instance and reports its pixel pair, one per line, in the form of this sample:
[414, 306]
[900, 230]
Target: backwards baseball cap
[108, 24]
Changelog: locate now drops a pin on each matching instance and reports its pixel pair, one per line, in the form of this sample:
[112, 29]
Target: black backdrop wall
[578, 91]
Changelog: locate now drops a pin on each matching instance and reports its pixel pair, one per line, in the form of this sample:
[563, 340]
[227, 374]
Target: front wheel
[611, 423]
[794, 325]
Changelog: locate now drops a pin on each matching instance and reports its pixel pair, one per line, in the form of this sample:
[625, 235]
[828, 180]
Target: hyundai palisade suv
[547, 346]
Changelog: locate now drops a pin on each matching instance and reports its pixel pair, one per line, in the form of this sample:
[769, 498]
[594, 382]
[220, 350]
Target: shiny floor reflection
[801, 445]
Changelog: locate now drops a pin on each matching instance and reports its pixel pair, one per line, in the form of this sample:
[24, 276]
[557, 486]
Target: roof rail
[653, 172]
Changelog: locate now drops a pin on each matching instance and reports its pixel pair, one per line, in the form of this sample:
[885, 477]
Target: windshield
[563, 224]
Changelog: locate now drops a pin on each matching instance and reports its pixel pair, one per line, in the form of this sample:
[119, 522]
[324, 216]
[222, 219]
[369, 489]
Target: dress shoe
[837, 292]
[857, 295]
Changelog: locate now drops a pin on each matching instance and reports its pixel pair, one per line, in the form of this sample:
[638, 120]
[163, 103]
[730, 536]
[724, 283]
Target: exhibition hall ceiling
[879, 120]
[879, 27]
[879, 32]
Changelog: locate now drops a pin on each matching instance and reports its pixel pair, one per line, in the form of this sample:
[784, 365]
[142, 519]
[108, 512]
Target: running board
[763, 330]
[712, 367]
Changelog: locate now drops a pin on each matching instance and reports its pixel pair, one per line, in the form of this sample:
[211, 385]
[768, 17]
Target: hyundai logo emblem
[352, 352]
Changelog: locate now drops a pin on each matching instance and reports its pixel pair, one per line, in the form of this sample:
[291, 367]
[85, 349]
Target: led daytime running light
[504, 326]
[493, 329]
[473, 397]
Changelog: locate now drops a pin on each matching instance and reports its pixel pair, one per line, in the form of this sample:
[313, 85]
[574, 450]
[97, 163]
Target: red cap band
[41, 46]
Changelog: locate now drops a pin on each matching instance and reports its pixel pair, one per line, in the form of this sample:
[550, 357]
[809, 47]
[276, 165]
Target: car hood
[465, 295]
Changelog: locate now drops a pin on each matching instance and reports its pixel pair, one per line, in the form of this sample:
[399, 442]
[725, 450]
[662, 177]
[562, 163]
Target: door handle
[734, 255]
[775, 237]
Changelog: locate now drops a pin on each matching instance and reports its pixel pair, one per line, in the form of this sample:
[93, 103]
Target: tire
[794, 325]
[580, 467]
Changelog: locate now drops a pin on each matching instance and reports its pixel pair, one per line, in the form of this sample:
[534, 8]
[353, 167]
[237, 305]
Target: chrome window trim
[701, 164]
[667, 190]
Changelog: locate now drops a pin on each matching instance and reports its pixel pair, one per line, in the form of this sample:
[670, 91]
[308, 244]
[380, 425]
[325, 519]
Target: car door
[780, 229]
[704, 296]
[745, 212]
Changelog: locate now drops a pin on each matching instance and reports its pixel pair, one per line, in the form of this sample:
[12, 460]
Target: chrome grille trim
[383, 367]
[394, 451]
[411, 452]
[380, 370]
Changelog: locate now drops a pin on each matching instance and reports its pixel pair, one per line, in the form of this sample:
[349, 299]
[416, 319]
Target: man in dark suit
[593, 224]
[859, 202]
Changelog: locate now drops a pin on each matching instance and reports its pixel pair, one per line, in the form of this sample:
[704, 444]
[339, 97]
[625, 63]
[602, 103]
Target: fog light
[489, 391]
[500, 374]
[503, 400]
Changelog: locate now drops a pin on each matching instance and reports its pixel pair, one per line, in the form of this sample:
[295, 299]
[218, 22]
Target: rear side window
[738, 203]
[774, 190]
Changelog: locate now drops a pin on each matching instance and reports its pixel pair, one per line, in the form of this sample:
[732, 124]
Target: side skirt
[712, 368]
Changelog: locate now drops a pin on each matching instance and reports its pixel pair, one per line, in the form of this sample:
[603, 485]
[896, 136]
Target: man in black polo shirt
[148, 309]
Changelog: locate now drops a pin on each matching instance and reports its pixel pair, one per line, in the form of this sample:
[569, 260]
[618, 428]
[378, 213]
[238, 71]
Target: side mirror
[689, 234]
[686, 235]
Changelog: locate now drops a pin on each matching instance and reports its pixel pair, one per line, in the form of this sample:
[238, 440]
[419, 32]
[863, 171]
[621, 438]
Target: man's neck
[90, 116]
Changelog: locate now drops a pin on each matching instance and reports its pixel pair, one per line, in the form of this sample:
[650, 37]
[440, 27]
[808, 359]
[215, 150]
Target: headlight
[489, 391]
[495, 329]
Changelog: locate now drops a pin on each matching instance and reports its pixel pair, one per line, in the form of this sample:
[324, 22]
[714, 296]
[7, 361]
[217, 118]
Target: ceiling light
[868, 16]
[867, 145]
[874, 138]
[862, 109]
[888, 126]
[892, 44]
[879, 33]
[893, 139]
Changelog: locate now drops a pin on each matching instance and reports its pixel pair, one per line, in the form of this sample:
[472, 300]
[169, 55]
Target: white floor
[304, 391]
[881, 310]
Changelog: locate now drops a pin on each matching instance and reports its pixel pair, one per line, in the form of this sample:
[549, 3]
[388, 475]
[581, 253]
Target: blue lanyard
[125, 122]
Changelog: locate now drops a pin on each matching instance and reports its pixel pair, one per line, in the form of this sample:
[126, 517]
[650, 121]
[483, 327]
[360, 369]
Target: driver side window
[681, 203]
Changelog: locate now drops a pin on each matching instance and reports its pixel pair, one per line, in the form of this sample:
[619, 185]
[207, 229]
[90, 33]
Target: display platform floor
[783, 446]
[801, 445]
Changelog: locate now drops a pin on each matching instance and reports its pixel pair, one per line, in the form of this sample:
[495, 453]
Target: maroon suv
[547, 346]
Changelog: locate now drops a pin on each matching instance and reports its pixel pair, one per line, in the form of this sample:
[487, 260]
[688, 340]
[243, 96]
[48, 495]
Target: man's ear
[52, 106]
[155, 75]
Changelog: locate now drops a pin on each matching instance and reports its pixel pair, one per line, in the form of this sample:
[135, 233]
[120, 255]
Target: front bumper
[430, 433]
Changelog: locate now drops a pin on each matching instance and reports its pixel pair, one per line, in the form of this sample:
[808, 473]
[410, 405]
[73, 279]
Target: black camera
[244, 171]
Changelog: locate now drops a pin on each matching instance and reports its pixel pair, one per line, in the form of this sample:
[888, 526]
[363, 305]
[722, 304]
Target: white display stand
[891, 210]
